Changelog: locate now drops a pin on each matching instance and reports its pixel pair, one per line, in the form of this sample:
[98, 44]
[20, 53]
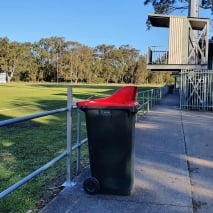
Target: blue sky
[89, 22]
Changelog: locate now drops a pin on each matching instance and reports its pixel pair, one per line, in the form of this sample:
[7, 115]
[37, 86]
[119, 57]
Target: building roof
[159, 20]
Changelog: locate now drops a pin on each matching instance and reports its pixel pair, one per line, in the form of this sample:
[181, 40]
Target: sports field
[24, 147]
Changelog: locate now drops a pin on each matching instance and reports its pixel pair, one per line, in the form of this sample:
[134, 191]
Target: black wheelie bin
[110, 124]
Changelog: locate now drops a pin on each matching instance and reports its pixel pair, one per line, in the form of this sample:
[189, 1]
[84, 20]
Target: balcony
[157, 55]
[159, 59]
[187, 41]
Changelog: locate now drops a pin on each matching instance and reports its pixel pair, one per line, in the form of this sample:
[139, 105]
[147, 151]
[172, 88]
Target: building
[3, 77]
[189, 56]
[187, 44]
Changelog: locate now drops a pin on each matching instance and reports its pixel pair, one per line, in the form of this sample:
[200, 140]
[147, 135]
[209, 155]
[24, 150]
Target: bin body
[110, 131]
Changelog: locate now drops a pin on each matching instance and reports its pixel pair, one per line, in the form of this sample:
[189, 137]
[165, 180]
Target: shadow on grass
[95, 91]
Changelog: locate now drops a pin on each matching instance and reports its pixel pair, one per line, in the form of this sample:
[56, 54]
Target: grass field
[24, 147]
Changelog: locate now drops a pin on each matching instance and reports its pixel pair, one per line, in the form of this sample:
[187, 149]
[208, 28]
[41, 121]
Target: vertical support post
[193, 8]
[68, 182]
[205, 102]
[148, 100]
[155, 95]
[138, 102]
[149, 56]
[78, 166]
[57, 67]
[151, 97]
[143, 102]
[181, 88]
[158, 95]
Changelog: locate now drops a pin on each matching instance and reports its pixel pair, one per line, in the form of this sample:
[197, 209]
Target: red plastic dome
[123, 97]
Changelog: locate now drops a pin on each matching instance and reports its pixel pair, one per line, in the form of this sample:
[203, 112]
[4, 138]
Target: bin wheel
[91, 185]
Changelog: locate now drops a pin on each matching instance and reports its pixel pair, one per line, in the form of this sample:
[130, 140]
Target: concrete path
[173, 168]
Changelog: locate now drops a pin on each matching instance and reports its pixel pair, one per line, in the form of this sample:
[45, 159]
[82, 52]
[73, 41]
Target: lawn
[24, 147]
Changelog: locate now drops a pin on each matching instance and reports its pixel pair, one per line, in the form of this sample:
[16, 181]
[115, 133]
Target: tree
[106, 55]
[76, 62]
[13, 58]
[169, 6]
[4, 51]
[53, 59]
[47, 52]
[141, 73]
[27, 68]
[130, 62]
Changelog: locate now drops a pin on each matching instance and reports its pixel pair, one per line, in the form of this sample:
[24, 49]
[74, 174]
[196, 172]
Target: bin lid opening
[123, 97]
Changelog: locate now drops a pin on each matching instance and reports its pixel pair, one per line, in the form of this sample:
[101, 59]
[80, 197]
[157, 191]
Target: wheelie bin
[110, 124]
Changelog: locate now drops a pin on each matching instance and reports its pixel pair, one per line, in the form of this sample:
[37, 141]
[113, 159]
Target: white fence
[196, 91]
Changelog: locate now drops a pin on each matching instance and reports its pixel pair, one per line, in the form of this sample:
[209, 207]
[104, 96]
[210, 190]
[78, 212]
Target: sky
[89, 22]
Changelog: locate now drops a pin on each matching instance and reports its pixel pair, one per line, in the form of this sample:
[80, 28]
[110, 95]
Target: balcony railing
[157, 55]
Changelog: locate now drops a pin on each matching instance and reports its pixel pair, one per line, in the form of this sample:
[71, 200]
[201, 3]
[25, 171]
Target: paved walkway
[173, 168]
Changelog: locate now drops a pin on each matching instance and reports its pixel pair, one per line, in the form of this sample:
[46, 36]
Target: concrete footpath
[173, 168]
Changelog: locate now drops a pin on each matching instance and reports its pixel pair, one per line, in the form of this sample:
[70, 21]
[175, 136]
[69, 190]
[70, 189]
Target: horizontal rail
[70, 106]
[30, 117]
[143, 105]
[38, 171]
[32, 175]
[150, 98]
[79, 144]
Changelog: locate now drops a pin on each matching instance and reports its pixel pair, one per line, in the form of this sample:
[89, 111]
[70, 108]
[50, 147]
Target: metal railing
[146, 99]
[196, 90]
[67, 153]
[157, 55]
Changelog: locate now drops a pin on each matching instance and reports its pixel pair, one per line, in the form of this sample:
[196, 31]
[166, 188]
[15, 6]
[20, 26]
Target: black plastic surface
[111, 148]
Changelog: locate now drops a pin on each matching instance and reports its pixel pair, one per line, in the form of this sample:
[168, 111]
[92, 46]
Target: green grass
[24, 147]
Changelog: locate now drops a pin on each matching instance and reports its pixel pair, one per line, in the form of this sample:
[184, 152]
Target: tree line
[56, 60]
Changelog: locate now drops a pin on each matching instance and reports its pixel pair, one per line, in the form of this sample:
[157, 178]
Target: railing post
[151, 97]
[78, 166]
[136, 113]
[181, 88]
[143, 103]
[68, 182]
[158, 95]
[148, 100]
[149, 56]
[154, 97]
